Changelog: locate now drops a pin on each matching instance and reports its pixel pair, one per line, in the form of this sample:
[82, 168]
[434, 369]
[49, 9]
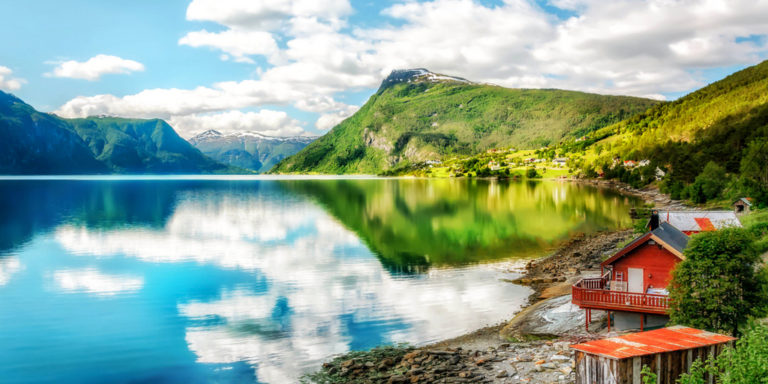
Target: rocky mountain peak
[417, 74]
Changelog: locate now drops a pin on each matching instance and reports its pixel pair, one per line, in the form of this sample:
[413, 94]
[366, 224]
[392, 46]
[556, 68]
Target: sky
[298, 67]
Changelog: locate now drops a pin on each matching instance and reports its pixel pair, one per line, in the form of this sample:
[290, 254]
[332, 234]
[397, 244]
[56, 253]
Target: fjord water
[260, 280]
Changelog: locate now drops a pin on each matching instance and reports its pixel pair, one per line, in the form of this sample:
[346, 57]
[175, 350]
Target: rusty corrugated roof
[651, 342]
[705, 224]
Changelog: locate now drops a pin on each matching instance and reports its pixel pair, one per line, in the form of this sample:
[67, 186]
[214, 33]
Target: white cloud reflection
[91, 281]
[319, 282]
[8, 267]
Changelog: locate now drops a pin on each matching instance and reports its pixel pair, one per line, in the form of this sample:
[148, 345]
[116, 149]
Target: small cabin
[668, 352]
[632, 286]
[692, 222]
[742, 206]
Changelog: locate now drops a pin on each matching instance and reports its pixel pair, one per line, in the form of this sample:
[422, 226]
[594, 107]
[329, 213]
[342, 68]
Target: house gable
[656, 262]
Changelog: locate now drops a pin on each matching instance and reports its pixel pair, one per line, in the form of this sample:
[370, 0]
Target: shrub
[718, 286]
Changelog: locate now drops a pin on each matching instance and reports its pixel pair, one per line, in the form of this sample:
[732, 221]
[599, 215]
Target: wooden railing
[591, 293]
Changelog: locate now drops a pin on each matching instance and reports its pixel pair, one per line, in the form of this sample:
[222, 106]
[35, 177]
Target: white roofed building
[690, 222]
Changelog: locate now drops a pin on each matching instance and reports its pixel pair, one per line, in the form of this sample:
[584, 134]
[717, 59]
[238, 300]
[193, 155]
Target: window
[619, 276]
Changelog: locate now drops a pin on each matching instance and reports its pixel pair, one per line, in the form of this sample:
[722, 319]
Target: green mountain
[724, 123]
[250, 150]
[33, 142]
[417, 116]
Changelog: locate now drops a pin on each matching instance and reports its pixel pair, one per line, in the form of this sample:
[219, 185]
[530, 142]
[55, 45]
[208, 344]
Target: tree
[754, 164]
[718, 286]
[709, 183]
[531, 173]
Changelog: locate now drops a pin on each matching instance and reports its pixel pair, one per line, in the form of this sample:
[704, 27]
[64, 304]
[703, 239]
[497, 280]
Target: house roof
[652, 342]
[669, 235]
[700, 220]
[745, 200]
[666, 235]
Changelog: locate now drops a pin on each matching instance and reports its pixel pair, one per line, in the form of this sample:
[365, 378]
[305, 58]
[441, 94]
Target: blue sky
[287, 67]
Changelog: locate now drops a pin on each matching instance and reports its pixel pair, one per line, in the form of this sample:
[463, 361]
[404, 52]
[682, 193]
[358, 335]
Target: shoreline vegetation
[525, 348]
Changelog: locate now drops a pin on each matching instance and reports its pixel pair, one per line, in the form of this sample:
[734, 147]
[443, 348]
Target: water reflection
[192, 281]
[413, 224]
[91, 281]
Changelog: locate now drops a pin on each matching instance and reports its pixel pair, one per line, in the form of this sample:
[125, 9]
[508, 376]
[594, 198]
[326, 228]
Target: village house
[560, 161]
[632, 286]
[494, 166]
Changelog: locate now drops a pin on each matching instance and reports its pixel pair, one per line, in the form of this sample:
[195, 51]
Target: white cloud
[264, 14]
[268, 122]
[327, 121]
[237, 43]
[631, 47]
[91, 281]
[8, 83]
[95, 67]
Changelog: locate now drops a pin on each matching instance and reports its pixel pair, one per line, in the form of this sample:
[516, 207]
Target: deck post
[586, 317]
[609, 321]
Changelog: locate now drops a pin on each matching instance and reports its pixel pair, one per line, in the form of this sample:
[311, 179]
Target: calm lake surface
[260, 280]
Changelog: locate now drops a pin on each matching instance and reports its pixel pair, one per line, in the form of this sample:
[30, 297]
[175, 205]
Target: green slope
[717, 124]
[416, 117]
[142, 146]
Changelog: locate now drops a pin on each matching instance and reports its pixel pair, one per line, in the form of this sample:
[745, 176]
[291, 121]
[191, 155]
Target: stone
[347, 363]
[559, 358]
[502, 374]
[566, 370]
[549, 366]
[540, 362]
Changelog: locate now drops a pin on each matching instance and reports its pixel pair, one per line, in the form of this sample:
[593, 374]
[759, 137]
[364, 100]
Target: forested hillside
[710, 144]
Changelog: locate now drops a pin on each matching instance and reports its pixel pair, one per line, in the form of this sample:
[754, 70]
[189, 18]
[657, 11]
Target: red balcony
[592, 294]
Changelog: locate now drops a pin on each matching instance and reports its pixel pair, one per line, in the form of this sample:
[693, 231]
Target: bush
[744, 363]
[531, 173]
[718, 286]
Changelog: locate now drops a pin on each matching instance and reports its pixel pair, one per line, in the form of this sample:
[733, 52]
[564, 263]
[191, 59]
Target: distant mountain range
[417, 115]
[250, 150]
[33, 142]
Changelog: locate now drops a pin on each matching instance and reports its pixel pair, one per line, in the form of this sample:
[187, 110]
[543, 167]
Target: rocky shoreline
[531, 348]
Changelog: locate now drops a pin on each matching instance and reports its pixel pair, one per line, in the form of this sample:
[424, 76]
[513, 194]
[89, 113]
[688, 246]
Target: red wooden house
[633, 281]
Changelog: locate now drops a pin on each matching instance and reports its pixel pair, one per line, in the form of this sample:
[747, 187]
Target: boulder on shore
[551, 318]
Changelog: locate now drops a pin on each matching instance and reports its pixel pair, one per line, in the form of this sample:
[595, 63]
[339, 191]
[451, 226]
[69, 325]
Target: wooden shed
[742, 206]
[668, 352]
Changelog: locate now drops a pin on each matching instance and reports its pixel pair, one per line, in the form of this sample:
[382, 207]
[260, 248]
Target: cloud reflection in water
[326, 293]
